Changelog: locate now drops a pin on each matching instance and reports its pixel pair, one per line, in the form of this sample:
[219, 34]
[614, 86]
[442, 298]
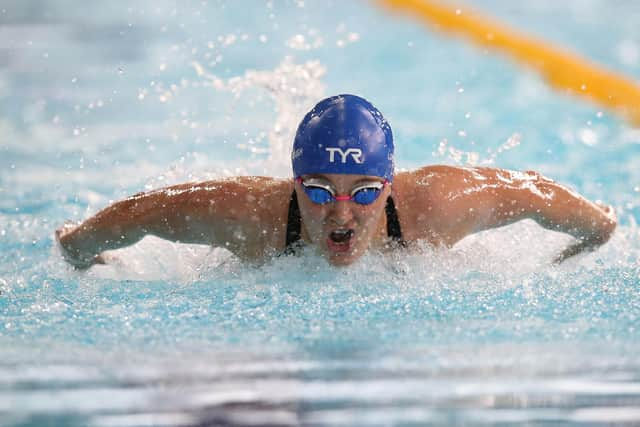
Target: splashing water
[294, 88]
[473, 158]
[485, 332]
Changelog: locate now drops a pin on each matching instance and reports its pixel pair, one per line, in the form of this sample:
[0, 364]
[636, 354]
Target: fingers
[71, 256]
[567, 253]
[575, 249]
[77, 262]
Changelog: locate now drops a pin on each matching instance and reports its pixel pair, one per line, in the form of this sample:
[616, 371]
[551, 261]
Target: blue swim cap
[343, 134]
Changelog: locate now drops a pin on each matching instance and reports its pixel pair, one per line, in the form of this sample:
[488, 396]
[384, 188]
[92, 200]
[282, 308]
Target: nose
[341, 212]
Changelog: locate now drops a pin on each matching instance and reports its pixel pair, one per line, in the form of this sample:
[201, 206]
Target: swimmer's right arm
[119, 225]
[230, 214]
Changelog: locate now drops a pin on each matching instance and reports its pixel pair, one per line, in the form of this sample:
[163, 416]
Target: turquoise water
[103, 100]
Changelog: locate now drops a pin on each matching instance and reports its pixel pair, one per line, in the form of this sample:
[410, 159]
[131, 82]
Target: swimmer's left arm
[554, 206]
[564, 210]
[485, 198]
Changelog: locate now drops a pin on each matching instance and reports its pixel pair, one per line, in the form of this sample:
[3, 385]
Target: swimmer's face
[342, 229]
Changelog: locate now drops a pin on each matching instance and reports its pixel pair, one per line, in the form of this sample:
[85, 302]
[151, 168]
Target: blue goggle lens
[318, 195]
[366, 196]
[321, 195]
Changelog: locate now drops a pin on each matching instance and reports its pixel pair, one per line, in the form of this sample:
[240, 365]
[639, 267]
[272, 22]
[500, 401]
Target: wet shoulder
[266, 197]
[429, 182]
[440, 181]
[422, 196]
[267, 201]
[259, 205]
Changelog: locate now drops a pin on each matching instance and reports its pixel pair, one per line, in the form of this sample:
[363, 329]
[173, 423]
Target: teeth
[341, 236]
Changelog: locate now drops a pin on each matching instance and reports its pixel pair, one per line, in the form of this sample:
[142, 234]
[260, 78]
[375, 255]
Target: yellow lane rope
[561, 69]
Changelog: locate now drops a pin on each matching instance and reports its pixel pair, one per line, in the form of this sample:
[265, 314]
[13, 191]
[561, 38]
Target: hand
[575, 249]
[589, 244]
[74, 257]
[582, 245]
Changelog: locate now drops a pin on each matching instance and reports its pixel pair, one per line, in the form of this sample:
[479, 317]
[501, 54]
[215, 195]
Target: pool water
[99, 101]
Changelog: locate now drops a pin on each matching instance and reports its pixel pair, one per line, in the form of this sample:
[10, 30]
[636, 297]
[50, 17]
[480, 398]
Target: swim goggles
[321, 193]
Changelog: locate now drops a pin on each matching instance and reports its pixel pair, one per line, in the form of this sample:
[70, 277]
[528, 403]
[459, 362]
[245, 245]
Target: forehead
[344, 180]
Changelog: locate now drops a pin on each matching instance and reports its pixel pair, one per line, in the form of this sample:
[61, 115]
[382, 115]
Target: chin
[343, 259]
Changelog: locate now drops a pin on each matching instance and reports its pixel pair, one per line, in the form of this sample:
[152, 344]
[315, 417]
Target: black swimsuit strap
[294, 224]
[393, 223]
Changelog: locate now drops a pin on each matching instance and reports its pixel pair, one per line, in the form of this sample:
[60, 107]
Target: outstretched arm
[484, 198]
[228, 213]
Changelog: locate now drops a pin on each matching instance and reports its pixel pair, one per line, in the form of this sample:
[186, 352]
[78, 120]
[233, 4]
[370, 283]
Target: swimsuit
[294, 238]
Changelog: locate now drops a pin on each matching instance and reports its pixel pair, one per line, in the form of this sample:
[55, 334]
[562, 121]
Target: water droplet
[229, 40]
[588, 137]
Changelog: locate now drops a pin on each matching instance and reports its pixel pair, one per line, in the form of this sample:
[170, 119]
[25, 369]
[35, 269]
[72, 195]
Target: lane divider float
[561, 69]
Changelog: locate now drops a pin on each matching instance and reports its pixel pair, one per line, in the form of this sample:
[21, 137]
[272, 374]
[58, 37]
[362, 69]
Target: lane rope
[561, 69]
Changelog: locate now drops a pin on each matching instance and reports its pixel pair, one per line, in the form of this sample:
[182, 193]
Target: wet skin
[248, 215]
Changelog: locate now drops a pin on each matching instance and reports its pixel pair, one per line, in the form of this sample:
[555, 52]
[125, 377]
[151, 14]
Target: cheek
[312, 216]
[369, 218]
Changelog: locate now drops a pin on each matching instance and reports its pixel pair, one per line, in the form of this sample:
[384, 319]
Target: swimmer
[343, 200]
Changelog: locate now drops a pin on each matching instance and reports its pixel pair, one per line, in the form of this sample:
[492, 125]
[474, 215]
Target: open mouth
[340, 240]
[341, 236]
